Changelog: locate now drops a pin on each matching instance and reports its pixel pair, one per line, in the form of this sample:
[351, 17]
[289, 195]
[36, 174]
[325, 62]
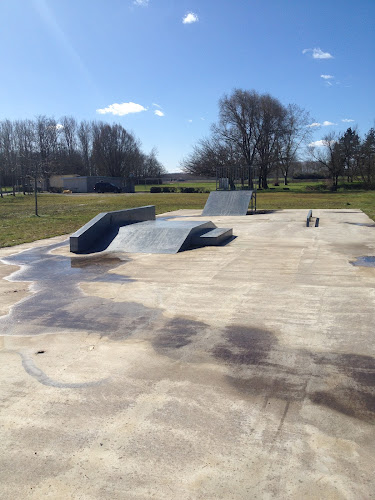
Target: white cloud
[122, 109]
[317, 53]
[157, 112]
[326, 123]
[141, 3]
[326, 77]
[190, 18]
[156, 105]
[318, 144]
[59, 126]
[347, 120]
[321, 143]
[190, 121]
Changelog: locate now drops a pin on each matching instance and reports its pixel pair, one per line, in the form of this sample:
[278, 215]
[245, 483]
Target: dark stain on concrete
[176, 333]
[261, 366]
[236, 348]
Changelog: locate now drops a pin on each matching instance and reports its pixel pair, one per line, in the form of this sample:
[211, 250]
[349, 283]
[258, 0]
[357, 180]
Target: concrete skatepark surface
[233, 372]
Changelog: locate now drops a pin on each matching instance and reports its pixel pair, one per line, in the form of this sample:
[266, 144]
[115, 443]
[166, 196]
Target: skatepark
[236, 370]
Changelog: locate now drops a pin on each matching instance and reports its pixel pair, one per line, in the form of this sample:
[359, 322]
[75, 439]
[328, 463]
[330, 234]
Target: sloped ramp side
[159, 236]
[227, 203]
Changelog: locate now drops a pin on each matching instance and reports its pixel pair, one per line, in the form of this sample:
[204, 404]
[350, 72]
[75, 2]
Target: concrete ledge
[87, 235]
[214, 237]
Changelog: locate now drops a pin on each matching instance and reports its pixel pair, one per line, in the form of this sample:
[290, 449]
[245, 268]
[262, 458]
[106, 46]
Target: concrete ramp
[227, 203]
[165, 236]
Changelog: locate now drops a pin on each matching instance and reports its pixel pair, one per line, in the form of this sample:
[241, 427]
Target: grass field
[63, 214]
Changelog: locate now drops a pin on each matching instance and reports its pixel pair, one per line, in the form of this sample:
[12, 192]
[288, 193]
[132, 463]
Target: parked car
[106, 187]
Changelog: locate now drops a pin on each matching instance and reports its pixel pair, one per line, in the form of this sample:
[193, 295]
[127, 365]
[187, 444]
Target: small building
[85, 184]
[57, 181]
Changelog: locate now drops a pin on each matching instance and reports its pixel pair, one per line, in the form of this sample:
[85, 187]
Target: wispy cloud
[190, 121]
[326, 123]
[190, 18]
[317, 53]
[157, 112]
[327, 77]
[156, 105]
[122, 109]
[347, 120]
[141, 3]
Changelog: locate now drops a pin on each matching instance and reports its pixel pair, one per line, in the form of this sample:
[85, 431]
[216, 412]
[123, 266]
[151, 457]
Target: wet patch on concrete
[31, 368]
[365, 261]
[176, 333]
[58, 304]
[260, 366]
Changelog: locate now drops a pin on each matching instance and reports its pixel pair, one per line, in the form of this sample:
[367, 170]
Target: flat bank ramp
[164, 236]
[227, 203]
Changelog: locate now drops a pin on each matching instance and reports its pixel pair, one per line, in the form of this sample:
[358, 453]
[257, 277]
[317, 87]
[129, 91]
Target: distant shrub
[193, 190]
[311, 175]
[155, 189]
[317, 187]
[356, 185]
[169, 189]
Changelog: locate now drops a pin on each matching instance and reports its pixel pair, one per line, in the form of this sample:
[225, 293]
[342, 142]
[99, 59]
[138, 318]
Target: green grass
[64, 214]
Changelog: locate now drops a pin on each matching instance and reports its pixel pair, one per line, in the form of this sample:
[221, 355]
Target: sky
[159, 67]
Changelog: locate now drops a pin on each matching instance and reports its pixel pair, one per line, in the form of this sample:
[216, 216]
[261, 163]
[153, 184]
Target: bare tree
[84, 134]
[114, 150]
[46, 132]
[25, 140]
[328, 155]
[8, 152]
[296, 135]
[209, 154]
[269, 128]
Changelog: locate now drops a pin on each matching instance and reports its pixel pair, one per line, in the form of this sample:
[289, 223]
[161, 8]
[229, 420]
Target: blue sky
[159, 67]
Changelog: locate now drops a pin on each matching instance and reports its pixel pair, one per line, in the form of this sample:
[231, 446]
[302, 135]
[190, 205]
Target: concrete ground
[236, 372]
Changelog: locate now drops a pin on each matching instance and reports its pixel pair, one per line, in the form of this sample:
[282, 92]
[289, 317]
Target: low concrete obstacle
[166, 236]
[85, 238]
[136, 230]
[229, 203]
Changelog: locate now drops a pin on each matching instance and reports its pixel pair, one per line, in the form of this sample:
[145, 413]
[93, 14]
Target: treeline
[347, 156]
[43, 147]
[257, 131]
